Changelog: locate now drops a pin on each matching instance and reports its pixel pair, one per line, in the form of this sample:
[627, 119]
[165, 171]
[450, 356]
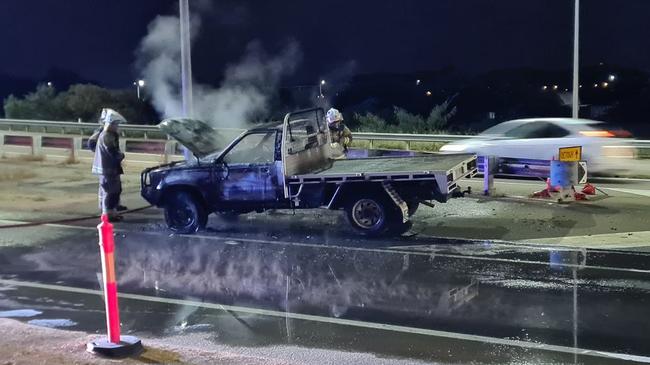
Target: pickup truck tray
[392, 168]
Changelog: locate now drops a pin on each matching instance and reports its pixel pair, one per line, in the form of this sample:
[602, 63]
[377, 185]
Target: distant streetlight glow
[428, 93]
[595, 85]
[320, 89]
[544, 87]
[138, 84]
[555, 87]
[49, 84]
[611, 77]
[417, 82]
[605, 84]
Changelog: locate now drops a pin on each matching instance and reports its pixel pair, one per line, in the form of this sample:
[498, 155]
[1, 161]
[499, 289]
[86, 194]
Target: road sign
[582, 172]
[570, 154]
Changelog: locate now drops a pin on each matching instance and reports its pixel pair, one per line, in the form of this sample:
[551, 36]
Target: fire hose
[67, 220]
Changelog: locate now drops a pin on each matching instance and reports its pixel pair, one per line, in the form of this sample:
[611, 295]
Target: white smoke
[246, 89]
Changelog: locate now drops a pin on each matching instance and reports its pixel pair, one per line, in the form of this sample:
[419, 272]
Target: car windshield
[499, 129]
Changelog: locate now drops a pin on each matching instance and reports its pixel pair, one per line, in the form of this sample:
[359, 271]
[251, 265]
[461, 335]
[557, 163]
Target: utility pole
[186, 64]
[186, 59]
[576, 61]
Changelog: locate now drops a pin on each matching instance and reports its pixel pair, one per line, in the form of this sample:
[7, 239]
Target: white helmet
[333, 116]
[110, 116]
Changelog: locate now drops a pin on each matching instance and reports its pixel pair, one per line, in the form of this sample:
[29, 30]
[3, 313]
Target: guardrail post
[76, 148]
[169, 151]
[123, 145]
[370, 145]
[2, 143]
[37, 146]
[489, 168]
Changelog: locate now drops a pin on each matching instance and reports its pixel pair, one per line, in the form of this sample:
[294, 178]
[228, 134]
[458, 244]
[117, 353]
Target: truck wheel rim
[182, 217]
[367, 213]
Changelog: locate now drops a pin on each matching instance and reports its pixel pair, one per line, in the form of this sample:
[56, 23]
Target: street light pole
[320, 89]
[138, 84]
[186, 65]
[186, 58]
[576, 61]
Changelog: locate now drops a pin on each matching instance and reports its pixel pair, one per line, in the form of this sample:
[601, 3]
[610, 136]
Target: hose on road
[67, 220]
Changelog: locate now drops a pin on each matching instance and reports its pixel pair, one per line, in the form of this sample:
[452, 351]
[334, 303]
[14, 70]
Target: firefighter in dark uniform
[107, 164]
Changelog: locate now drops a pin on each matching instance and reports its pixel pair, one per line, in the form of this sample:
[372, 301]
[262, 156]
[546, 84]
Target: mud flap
[399, 202]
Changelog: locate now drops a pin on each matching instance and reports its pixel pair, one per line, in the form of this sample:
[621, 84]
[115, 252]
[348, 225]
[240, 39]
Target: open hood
[195, 135]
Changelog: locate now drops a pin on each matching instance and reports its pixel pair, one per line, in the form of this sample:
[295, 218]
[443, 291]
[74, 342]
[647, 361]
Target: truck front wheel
[371, 214]
[183, 213]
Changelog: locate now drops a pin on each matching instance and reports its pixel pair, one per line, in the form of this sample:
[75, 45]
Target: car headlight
[453, 148]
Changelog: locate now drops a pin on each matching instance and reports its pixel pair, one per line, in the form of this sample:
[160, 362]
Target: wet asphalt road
[278, 287]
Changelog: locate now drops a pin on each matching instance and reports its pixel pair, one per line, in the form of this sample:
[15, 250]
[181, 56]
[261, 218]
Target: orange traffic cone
[579, 196]
[589, 189]
[541, 194]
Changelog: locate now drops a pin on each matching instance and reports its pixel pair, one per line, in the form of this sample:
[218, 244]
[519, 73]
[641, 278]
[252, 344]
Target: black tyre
[183, 213]
[372, 214]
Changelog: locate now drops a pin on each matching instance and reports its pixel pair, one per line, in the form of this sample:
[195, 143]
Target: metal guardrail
[153, 133]
[43, 126]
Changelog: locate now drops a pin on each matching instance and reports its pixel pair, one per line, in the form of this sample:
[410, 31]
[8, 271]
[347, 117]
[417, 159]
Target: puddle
[19, 313]
[52, 323]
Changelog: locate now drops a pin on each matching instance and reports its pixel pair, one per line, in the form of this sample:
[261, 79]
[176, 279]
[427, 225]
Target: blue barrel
[564, 174]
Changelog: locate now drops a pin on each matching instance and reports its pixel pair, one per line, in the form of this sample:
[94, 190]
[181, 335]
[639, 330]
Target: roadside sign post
[114, 345]
[489, 168]
[564, 172]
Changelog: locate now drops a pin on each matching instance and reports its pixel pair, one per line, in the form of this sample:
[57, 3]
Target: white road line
[387, 250]
[339, 321]
[623, 239]
[631, 191]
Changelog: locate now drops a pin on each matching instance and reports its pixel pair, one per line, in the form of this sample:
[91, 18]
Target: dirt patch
[30, 344]
[29, 158]
[69, 161]
[16, 175]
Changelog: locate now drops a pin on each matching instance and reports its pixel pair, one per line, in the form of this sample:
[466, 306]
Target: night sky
[97, 39]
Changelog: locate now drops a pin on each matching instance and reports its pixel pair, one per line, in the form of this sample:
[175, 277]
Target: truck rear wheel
[371, 215]
[183, 213]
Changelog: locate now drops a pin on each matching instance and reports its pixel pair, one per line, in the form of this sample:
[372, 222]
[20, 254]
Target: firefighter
[339, 132]
[107, 164]
[92, 145]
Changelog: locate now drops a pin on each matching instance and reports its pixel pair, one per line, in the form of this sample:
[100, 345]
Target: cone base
[128, 346]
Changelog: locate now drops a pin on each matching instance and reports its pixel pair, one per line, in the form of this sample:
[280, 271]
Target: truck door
[246, 173]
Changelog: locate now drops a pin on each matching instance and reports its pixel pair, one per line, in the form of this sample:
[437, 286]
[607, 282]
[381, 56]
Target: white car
[605, 150]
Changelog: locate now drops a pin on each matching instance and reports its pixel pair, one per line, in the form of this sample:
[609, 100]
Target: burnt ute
[293, 165]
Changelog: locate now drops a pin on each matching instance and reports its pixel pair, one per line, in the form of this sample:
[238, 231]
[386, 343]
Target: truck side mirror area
[221, 168]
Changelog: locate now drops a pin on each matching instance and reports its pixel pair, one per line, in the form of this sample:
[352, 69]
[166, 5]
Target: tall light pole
[186, 59]
[320, 89]
[186, 64]
[576, 61]
[138, 84]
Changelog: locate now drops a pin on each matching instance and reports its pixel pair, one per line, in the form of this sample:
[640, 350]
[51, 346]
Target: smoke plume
[246, 89]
